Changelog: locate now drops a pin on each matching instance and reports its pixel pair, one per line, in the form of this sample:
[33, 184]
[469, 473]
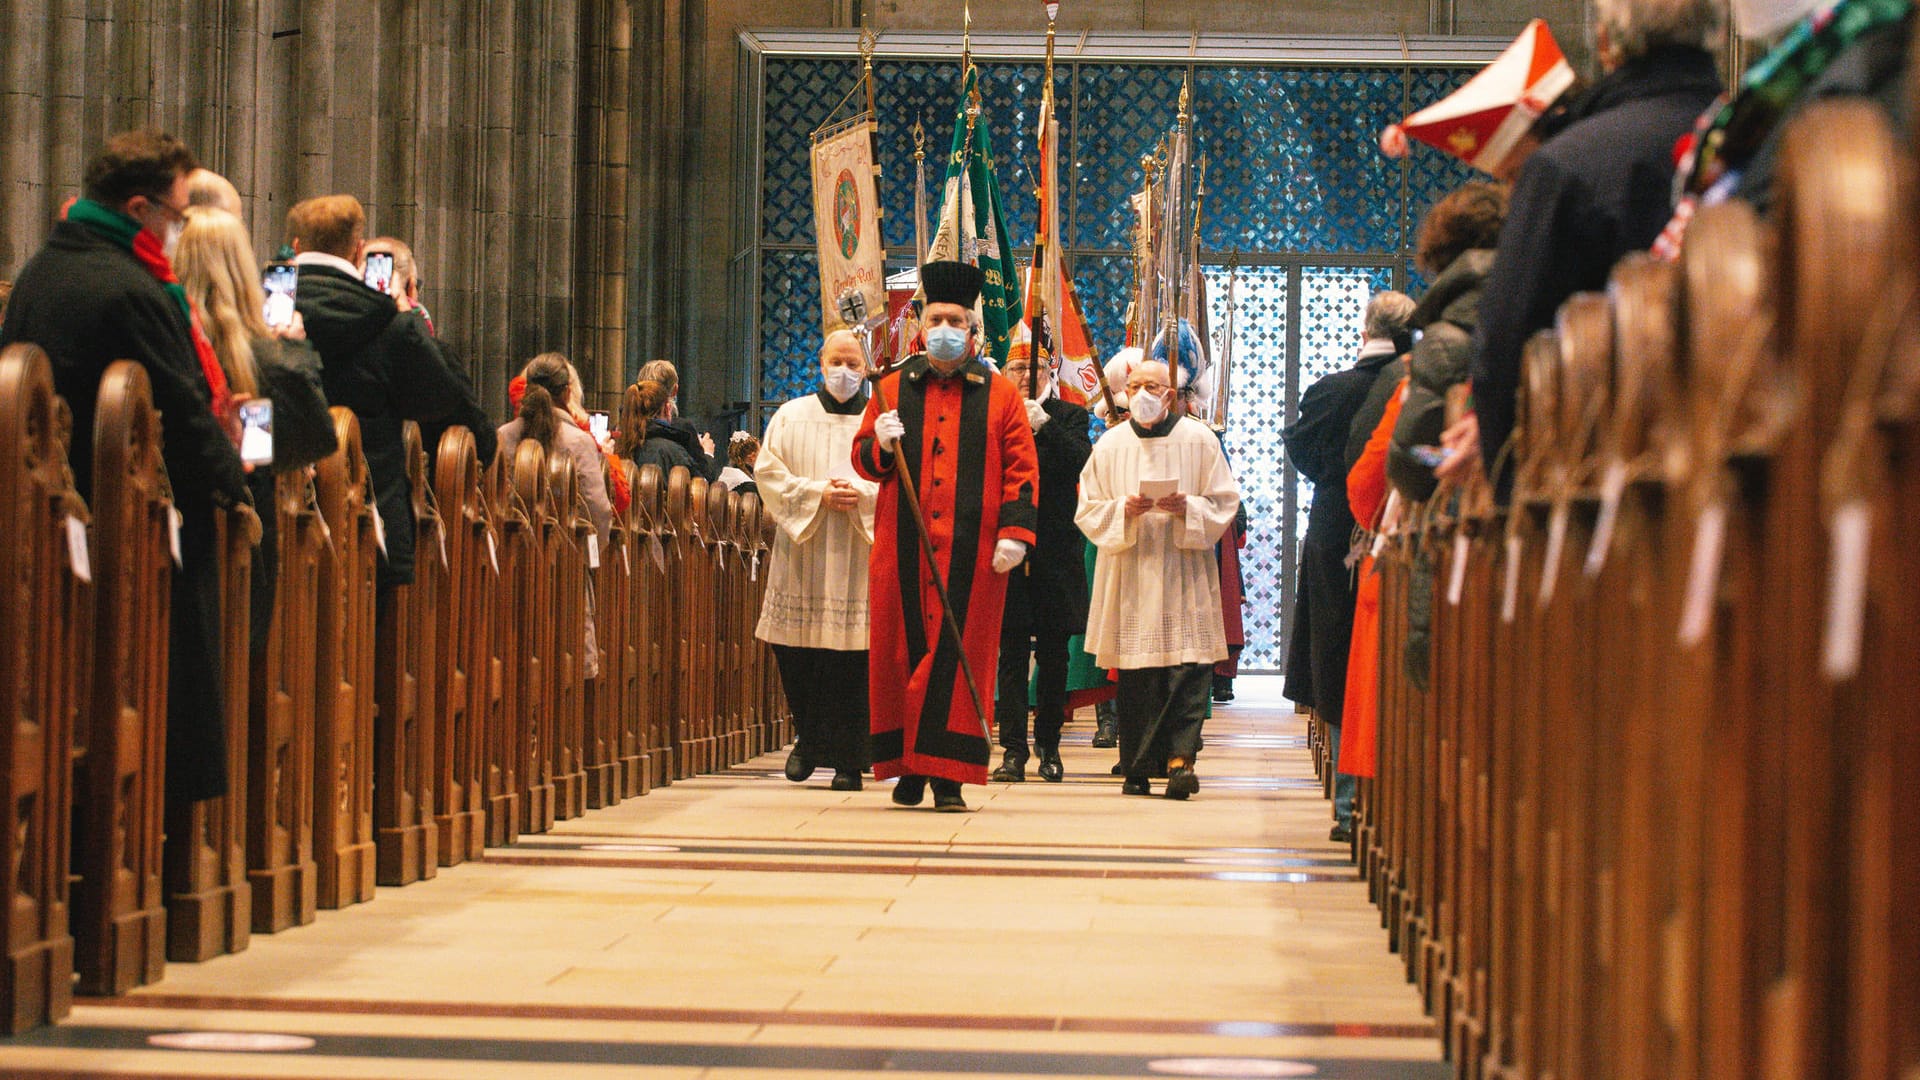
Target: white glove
[1035, 414]
[1008, 554]
[888, 430]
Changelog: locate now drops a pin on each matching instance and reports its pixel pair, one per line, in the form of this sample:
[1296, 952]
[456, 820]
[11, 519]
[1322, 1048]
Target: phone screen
[599, 423]
[281, 279]
[379, 271]
[256, 431]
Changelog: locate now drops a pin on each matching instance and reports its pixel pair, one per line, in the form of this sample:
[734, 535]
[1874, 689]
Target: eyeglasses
[1150, 387]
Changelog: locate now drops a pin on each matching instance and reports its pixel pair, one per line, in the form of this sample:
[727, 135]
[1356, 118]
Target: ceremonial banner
[846, 222]
[973, 224]
[1053, 319]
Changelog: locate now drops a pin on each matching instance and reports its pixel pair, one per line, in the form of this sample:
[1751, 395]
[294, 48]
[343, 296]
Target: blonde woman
[216, 267]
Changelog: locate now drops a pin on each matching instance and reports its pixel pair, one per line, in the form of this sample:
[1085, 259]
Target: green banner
[967, 234]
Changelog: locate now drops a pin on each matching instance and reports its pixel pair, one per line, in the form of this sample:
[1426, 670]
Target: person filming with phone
[1155, 497]
[272, 370]
[377, 360]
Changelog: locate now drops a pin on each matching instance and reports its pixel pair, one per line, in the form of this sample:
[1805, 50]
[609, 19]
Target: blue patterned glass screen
[1296, 187]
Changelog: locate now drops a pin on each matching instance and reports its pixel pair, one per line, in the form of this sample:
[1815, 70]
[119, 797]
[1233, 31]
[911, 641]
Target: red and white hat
[1481, 122]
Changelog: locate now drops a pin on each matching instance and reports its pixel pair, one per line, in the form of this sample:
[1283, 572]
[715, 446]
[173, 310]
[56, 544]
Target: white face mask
[1148, 408]
[843, 383]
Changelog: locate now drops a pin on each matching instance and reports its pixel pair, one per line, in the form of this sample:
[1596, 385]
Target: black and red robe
[977, 476]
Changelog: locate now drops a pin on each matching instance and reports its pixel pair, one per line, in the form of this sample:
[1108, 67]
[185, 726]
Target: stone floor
[740, 925]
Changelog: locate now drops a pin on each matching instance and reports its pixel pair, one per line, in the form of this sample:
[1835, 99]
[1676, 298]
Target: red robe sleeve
[1019, 466]
[1367, 481]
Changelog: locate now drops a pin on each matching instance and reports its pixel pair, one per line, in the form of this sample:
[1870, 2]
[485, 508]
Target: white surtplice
[1156, 585]
[817, 581]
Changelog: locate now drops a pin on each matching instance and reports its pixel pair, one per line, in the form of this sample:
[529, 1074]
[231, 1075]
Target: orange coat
[1367, 495]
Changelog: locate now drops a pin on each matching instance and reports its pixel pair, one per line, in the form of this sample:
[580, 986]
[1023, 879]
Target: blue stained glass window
[1255, 414]
[790, 334]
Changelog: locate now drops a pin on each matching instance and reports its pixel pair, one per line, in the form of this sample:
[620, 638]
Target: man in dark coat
[1600, 188]
[99, 292]
[1046, 596]
[1317, 444]
[377, 360]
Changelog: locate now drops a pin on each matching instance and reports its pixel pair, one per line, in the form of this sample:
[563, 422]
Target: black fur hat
[952, 283]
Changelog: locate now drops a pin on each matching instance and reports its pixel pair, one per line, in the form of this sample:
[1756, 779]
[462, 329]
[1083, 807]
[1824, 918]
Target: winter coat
[1049, 590]
[385, 365]
[668, 444]
[87, 302]
[1446, 316]
[1599, 189]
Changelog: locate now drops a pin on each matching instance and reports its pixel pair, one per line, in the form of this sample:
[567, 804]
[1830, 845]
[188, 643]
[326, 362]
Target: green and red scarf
[1726, 137]
[149, 253]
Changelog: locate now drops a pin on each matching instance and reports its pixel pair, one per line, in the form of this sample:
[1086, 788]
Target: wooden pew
[1651, 813]
[1730, 371]
[633, 758]
[697, 593]
[406, 834]
[283, 704]
[343, 736]
[566, 558]
[208, 896]
[45, 639]
[654, 613]
[1846, 256]
[118, 920]
[509, 666]
[528, 600]
[779, 720]
[723, 510]
[463, 660]
[680, 600]
[752, 674]
[613, 758]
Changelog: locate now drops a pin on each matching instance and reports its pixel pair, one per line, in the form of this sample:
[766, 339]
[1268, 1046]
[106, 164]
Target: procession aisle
[738, 922]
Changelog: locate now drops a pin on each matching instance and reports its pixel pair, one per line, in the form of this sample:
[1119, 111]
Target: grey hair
[1637, 27]
[1387, 315]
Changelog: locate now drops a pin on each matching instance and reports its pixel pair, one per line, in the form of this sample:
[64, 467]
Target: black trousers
[1161, 710]
[827, 691]
[1049, 652]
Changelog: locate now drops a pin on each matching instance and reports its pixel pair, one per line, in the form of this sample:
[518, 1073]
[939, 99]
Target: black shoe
[1181, 783]
[1050, 768]
[1342, 834]
[799, 766]
[1119, 769]
[946, 797]
[909, 790]
[1222, 689]
[1012, 770]
[1136, 785]
[846, 780]
[1104, 733]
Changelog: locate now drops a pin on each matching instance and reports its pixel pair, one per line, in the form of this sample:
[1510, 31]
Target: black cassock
[1323, 617]
[1046, 595]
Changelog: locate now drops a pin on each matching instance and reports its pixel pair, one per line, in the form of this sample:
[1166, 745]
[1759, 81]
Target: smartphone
[1430, 456]
[379, 271]
[281, 279]
[599, 421]
[256, 431]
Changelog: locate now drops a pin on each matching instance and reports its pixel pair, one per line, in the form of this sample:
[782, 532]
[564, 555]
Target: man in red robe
[963, 430]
